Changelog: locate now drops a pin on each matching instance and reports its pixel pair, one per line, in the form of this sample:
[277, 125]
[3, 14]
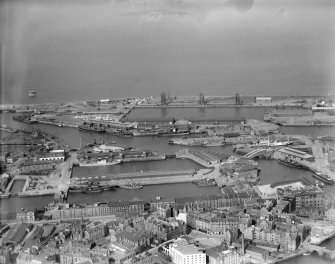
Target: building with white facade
[181, 252]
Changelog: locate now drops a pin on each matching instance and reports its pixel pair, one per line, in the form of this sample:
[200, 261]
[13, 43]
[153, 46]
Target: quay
[204, 158]
[145, 178]
[62, 124]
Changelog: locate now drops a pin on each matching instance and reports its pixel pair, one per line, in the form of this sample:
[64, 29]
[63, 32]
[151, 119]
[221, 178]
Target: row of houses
[63, 211]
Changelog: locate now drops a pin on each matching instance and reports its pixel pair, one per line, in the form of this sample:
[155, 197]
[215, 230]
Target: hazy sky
[75, 49]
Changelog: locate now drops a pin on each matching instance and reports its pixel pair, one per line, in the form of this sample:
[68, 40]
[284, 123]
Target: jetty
[148, 177]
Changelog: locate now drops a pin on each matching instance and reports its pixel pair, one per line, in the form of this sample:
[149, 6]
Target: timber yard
[225, 153]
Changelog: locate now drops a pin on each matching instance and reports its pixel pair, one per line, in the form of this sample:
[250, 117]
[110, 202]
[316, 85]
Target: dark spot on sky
[241, 6]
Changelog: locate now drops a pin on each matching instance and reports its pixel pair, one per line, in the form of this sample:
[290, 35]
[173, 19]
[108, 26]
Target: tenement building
[100, 209]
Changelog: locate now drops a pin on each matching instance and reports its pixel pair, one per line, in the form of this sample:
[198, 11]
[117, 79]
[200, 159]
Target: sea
[89, 50]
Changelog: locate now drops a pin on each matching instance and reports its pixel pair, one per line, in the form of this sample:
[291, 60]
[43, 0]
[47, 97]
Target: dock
[145, 177]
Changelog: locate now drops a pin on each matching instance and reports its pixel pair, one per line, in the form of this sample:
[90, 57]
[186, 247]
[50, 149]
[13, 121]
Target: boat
[323, 177]
[92, 188]
[206, 182]
[32, 93]
[306, 254]
[326, 138]
[99, 163]
[187, 141]
[75, 189]
[142, 133]
[173, 132]
[132, 185]
[91, 127]
[213, 144]
[125, 134]
[169, 134]
[293, 164]
[25, 119]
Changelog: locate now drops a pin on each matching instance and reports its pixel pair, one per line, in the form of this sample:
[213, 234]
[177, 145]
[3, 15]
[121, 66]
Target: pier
[144, 177]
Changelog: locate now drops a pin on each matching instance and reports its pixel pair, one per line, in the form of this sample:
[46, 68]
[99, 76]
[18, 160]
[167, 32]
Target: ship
[99, 163]
[142, 133]
[172, 133]
[323, 177]
[108, 188]
[326, 138]
[187, 141]
[91, 127]
[32, 93]
[292, 163]
[214, 144]
[132, 185]
[75, 189]
[25, 119]
[92, 188]
[125, 134]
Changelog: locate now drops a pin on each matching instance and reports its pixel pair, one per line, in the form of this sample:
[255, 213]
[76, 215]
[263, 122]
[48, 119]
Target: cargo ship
[323, 177]
[293, 164]
[91, 127]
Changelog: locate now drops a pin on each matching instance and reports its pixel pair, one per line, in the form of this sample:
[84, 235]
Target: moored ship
[93, 188]
[214, 144]
[99, 163]
[92, 128]
[172, 133]
[323, 177]
[292, 163]
[75, 189]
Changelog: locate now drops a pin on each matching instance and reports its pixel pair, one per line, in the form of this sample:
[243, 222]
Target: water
[146, 114]
[80, 50]
[271, 171]
[73, 50]
[17, 186]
